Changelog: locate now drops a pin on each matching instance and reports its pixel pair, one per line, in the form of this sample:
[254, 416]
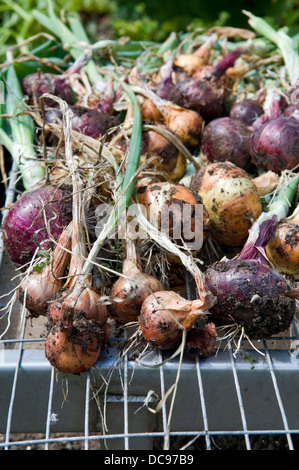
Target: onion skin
[250, 294]
[246, 111]
[283, 249]
[275, 145]
[24, 226]
[157, 324]
[231, 200]
[227, 139]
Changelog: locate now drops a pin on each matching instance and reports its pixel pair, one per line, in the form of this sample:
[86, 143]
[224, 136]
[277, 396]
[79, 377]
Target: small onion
[36, 84]
[24, 228]
[163, 317]
[129, 292]
[231, 200]
[252, 295]
[246, 111]
[227, 139]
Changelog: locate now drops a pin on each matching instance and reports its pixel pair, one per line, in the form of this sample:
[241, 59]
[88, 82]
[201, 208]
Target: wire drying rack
[242, 400]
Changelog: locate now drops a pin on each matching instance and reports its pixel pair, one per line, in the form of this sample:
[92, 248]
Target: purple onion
[246, 111]
[275, 144]
[88, 121]
[36, 84]
[250, 294]
[206, 92]
[24, 227]
[227, 139]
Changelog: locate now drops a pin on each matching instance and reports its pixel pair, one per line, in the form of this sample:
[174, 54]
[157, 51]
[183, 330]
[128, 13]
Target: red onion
[206, 93]
[36, 84]
[89, 121]
[25, 227]
[275, 145]
[227, 139]
[246, 111]
[252, 295]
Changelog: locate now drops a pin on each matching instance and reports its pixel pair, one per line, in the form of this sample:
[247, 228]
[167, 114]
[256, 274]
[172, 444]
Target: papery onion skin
[250, 294]
[227, 139]
[24, 227]
[275, 145]
[283, 249]
[231, 200]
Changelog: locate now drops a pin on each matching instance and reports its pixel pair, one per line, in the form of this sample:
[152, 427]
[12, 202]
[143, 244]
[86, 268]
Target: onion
[186, 124]
[231, 200]
[252, 295]
[77, 319]
[275, 145]
[283, 247]
[206, 93]
[246, 111]
[40, 287]
[165, 205]
[130, 290]
[34, 217]
[191, 62]
[36, 84]
[266, 182]
[89, 121]
[164, 316]
[227, 139]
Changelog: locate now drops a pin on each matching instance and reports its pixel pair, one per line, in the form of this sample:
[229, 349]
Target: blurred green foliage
[144, 20]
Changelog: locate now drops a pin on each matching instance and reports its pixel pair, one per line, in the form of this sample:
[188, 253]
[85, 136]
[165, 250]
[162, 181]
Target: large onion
[34, 217]
[231, 200]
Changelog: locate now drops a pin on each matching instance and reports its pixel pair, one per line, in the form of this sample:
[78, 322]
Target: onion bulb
[252, 295]
[40, 287]
[231, 200]
[227, 139]
[163, 317]
[246, 111]
[32, 219]
[129, 291]
[172, 208]
[283, 247]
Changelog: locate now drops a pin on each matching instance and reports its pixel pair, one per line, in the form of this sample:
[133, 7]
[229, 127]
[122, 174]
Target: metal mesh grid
[219, 399]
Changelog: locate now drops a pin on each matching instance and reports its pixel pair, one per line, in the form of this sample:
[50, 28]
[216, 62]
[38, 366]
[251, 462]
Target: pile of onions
[275, 144]
[227, 139]
[34, 218]
[231, 200]
[130, 290]
[207, 90]
[164, 203]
